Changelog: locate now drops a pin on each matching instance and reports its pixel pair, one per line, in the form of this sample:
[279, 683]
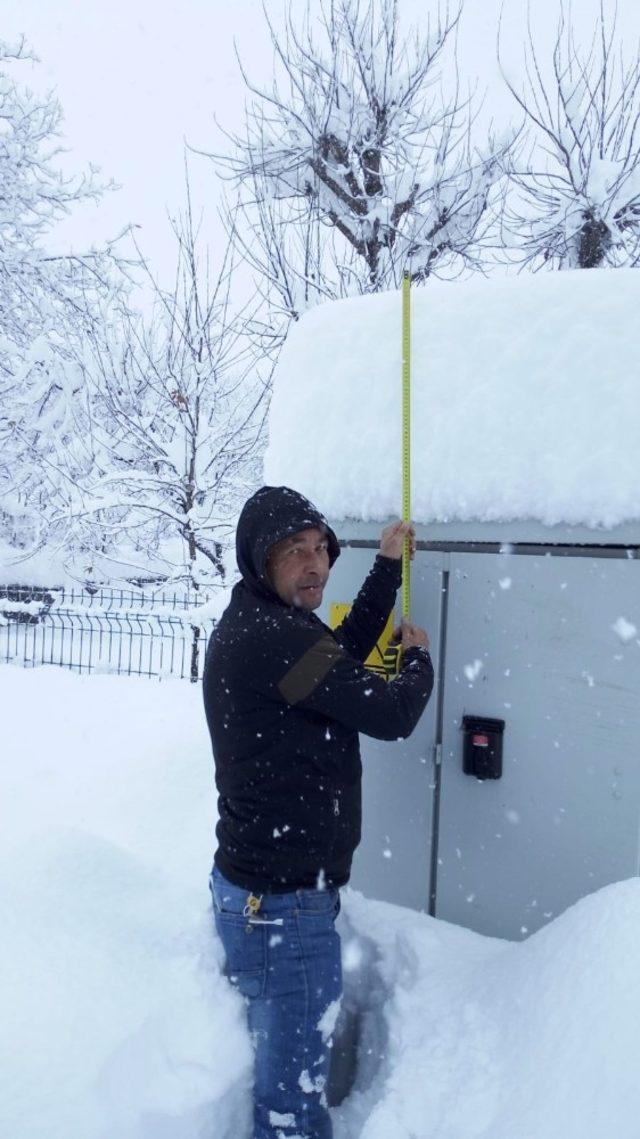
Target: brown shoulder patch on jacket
[305, 675]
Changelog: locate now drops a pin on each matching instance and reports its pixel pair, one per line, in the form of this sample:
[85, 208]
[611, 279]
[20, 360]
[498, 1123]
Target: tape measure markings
[406, 437]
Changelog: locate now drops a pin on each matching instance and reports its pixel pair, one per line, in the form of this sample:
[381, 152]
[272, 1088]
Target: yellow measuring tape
[392, 653]
[406, 437]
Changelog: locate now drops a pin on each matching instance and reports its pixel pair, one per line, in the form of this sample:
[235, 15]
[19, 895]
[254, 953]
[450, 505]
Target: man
[285, 698]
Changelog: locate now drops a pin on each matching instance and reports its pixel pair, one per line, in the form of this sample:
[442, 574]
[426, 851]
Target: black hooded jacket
[285, 698]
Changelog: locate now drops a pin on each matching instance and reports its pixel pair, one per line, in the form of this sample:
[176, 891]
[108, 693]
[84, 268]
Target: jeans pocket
[226, 898]
[321, 905]
[245, 948]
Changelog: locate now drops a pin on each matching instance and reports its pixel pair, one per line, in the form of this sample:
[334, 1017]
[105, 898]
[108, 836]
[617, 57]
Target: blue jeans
[286, 962]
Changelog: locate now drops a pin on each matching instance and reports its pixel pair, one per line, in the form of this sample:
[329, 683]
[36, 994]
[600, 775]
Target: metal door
[547, 644]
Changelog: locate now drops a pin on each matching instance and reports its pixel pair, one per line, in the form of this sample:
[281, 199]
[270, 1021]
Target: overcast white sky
[137, 77]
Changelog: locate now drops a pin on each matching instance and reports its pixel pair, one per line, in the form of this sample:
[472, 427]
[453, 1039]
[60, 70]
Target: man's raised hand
[412, 636]
[393, 536]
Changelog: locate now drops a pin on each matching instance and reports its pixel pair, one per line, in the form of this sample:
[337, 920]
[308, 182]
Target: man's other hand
[393, 536]
[412, 636]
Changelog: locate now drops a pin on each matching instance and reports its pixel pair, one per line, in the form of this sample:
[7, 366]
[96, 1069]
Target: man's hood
[271, 514]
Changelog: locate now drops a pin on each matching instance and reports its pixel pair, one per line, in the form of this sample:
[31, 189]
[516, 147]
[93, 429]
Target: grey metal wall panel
[530, 640]
[393, 860]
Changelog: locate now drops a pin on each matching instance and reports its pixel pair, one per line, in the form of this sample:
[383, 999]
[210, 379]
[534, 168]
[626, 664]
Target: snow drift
[118, 1021]
[525, 393]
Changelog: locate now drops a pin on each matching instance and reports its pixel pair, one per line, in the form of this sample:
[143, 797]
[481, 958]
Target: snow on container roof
[525, 397]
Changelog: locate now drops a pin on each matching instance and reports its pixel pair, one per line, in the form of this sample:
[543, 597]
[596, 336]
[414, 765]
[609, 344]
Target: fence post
[195, 653]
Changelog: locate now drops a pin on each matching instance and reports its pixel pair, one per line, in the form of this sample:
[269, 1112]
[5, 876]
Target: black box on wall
[482, 754]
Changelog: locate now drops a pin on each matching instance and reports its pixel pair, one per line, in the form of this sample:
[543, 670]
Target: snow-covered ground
[117, 1021]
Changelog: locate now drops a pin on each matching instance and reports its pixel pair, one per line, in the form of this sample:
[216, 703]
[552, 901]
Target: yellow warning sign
[382, 661]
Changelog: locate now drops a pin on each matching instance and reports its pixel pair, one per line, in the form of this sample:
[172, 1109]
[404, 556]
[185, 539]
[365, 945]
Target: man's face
[298, 568]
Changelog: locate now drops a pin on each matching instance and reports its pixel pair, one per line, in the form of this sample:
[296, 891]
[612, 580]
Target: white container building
[526, 496]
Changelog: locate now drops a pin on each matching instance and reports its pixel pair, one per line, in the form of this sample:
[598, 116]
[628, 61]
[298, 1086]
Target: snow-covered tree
[38, 286]
[45, 452]
[47, 303]
[178, 403]
[577, 182]
[357, 164]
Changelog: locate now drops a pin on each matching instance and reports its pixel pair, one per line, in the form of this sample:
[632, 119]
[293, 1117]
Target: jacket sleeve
[364, 623]
[326, 679]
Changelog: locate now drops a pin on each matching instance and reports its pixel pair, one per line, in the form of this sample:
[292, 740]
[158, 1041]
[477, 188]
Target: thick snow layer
[117, 1021]
[525, 402]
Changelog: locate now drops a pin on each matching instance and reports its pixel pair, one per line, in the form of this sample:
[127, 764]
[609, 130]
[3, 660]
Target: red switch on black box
[482, 756]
